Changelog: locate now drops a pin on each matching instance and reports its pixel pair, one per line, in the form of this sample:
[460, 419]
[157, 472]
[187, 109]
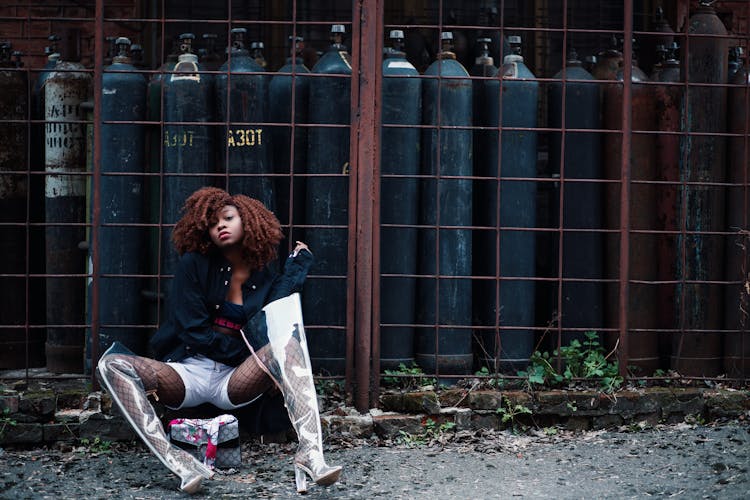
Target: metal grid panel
[642, 257]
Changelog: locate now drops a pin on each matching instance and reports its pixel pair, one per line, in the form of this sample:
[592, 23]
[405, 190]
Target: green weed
[493, 382]
[581, 360]
[410, 377]
[97, 445]
[431, 431]
[6, 421]
[511, 412]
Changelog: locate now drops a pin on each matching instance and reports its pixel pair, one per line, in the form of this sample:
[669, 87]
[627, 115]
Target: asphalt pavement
[671, 461]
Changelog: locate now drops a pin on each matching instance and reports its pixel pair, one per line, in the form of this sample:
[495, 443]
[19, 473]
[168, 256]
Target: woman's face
[227, 231]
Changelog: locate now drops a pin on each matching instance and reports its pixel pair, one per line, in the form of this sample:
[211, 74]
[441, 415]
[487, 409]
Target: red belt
[227, 324]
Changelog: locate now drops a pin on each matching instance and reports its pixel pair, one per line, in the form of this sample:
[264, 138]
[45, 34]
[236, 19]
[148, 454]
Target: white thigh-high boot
[287, 360]
[127, 391]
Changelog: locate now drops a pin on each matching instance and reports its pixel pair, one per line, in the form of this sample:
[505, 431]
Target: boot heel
[191, 486]
[301, 479]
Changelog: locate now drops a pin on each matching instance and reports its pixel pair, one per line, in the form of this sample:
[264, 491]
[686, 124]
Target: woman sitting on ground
[223, 279]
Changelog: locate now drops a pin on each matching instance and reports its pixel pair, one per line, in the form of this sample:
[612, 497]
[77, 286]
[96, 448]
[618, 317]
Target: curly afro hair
[262, 228]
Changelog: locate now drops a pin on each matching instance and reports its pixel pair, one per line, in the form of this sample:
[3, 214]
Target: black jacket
[199, 288]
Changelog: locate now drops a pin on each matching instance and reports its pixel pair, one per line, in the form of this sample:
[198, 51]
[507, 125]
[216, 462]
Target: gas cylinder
[735, 62]
[484, 67]
[37, 256]
[326, 204]
[589, 63]
[401, 105]
[14, 108]
[245, 149]
[289, 91]
[122, 203]
[669, 111]
[187, 146]
[484, 96]
[661, 58]
[609, 61]
[512, 204]
[37, 96]
[109, 42]
[580, 166]
[209, 58]
[643, 350]
[700, 256]
[649, 55]
[154, 92]
[65, 203]
[52, 57]
[737, 300]
[155, 149]
[256, 52]
[445, 301]
[154, 113]
[136, 56]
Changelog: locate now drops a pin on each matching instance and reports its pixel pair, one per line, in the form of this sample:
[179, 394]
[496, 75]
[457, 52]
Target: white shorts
[206, 381]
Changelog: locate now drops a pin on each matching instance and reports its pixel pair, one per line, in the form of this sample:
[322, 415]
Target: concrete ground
[686, 460]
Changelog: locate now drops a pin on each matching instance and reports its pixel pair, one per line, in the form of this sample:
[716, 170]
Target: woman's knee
[247, 382]
[110, 362]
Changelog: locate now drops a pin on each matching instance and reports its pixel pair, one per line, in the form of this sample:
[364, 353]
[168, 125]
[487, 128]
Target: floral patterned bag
[214, 441]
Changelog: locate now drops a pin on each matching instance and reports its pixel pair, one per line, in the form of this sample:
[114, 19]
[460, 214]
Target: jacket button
[222, 269]
[217, 306]
[253, 287]
[229, 269]
[226, 282]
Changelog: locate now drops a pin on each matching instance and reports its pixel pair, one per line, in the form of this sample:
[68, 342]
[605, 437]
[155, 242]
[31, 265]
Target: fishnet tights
[246, 383]
[158, 378]
[249, 380]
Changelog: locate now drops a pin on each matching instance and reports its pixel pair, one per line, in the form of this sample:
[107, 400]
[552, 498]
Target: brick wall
[27, 25]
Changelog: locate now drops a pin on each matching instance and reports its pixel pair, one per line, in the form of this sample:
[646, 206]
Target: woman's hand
[300, 246]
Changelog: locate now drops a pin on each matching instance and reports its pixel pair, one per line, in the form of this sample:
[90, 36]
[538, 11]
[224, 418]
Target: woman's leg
[287, 361]
[128, 379]
[247, 382]
[160, 379]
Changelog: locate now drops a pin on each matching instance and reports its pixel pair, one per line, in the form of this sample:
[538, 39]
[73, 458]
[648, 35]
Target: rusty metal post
[363, 192]
[627, 119]
[375, 7]
[96, 183]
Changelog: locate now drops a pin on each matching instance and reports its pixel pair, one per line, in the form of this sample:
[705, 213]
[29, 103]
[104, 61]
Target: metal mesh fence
[479, 181]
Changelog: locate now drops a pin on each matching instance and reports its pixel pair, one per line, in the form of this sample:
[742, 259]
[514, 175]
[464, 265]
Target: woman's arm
[295, 272]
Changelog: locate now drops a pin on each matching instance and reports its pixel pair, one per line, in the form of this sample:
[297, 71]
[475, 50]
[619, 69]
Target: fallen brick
[459, 416]
[485, 400]
[360, 426]
[392, 401]
[421, 402]
[388, 426]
